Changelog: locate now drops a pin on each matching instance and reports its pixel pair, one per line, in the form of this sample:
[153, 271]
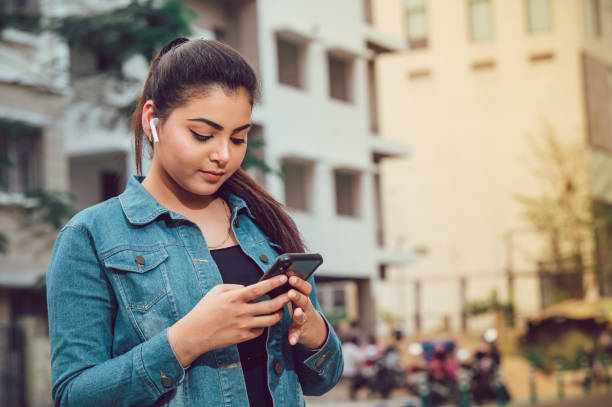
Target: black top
[238, 268]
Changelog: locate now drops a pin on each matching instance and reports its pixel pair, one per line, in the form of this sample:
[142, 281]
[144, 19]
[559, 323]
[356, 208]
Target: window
[347, 193]
[538, 15]
[20, 6]
[367, 11]
[298, 179]
[592, 16]
[20, 157]
[340, 78]
[339, 297]
[481, 25]
[290, 62]
[220, 34]
[416, 23]
[254, 161]
[382, 272]
[609, 93]
[110, 181]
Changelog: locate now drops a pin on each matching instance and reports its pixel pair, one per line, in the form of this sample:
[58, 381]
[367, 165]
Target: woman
[150, 293]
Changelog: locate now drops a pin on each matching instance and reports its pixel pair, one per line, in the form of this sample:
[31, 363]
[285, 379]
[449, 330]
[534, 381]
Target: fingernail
[282, 278]
[293, 280]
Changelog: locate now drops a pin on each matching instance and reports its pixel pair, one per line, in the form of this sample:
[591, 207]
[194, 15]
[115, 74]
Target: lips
[219, 173]
[212, 176]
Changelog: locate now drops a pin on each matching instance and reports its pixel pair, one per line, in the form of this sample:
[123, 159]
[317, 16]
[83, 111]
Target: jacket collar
[140, 207]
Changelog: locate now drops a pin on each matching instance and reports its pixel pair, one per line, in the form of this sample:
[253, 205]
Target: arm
[81, 308]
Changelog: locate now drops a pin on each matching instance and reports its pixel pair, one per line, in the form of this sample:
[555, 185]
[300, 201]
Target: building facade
[318, 118]
[486, 86]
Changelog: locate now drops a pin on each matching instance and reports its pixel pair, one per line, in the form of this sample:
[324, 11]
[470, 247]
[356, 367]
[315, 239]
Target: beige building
[484, 83]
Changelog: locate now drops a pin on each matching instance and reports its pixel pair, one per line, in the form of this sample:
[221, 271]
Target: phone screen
[302, 268]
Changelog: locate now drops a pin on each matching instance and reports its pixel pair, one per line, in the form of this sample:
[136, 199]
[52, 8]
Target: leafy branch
[114, 36]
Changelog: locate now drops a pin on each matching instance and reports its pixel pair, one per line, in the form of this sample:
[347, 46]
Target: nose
[221, 152]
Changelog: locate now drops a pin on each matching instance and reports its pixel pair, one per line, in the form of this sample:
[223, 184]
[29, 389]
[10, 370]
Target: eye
[200, 136]
[238, 141]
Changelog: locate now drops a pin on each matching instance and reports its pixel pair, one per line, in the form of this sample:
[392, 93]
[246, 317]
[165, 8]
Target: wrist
[186, 351]
[320, 333]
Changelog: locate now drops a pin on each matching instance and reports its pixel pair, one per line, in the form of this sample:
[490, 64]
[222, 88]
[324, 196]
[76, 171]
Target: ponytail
[270, 215]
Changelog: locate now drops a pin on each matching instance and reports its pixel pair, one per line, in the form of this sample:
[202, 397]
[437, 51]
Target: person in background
[353, 360]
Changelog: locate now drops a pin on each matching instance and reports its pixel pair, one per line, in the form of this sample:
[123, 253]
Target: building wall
[85, 176]
[308, 124]
[471, 113]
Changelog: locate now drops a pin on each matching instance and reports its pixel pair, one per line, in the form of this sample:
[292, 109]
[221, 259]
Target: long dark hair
[184, 69]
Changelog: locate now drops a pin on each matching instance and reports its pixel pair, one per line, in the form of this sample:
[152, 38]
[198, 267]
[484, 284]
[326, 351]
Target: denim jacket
[126, 269]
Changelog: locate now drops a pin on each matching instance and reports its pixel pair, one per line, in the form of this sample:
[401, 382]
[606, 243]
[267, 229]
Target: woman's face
[202, 143]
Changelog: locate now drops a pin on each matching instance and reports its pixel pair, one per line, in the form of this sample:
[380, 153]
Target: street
[600, 400]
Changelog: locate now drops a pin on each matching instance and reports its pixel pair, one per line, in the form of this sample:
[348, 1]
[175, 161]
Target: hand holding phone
[301, 265]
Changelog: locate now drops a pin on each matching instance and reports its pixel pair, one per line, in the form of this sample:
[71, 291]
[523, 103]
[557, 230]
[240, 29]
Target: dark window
[297, 179]
[340, 77]
[20, 157]
[339, 297]
[347, 193]
[290, 62]
[110, 184]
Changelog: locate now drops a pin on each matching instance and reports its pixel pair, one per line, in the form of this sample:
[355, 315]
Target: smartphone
[301, 265]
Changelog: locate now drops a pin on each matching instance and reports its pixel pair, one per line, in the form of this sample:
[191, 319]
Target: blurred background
[450, 159]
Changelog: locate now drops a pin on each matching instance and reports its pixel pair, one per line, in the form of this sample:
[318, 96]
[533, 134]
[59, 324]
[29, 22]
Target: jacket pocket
[140, 274]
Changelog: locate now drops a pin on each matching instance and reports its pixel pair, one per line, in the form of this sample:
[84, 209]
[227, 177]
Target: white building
[318, 118]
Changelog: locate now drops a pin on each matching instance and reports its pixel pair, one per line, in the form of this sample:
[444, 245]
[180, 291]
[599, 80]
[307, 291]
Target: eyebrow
[217, 125]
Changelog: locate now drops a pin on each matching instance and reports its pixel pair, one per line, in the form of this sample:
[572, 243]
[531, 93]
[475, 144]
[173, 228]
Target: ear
[147, 115]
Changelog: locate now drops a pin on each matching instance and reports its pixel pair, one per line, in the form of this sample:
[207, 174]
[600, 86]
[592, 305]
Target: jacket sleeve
[319, 369]
[82, 306]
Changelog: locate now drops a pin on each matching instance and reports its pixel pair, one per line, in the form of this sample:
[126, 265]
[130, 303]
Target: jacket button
[278, 368]
[263, 258]
[236, 223]
[140, 260]
[166, 381]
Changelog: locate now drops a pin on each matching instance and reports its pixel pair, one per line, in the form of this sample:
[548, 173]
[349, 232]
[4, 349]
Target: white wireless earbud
[153, 124]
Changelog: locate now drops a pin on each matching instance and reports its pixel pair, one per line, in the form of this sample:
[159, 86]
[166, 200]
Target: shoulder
[96, 217]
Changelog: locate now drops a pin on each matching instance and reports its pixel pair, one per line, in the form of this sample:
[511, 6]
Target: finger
[295, 332]
[263, 321]
[227, 287]
[258, 289]
[299, 316]
[269, 306]
[299, 299]
[302, 285]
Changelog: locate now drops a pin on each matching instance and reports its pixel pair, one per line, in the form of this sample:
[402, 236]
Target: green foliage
[128, 110]
[561, 214]
[15, 128]
[251, 159]
[336, 317]
[22, 21]
[3, 243]
[491, 303]
[568, 351]
[52, 208]
[114, 36]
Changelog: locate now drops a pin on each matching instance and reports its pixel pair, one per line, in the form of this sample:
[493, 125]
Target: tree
[562, 213]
